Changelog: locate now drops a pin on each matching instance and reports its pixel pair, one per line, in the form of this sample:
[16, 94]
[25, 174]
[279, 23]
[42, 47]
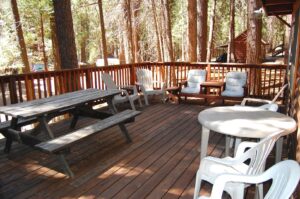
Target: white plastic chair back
[109, 83]
[257, 155]
[284, 175]
[279, 93]
[195, 78]
[144, 77]
[246, 162]
[270, 107]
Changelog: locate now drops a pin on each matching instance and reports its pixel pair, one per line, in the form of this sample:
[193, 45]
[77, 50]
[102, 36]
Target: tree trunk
[167, 25]
[103, 37]
[85, 32]
[270, 40]
[45, 58]
[158, 47]
[162, 31]
[65, 34]
[128, 39]
[122, 58]
[202, 30]
[253, 34]
[231, 47]
[136, 30]
[211, 32]
[254, 46]
[21, 40]
[54, 41]
[192, 30]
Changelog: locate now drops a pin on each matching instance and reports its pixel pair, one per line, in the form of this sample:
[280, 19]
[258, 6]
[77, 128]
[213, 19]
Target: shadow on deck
[161, 162]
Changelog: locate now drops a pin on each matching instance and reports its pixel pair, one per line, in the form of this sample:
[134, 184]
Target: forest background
[146, 19]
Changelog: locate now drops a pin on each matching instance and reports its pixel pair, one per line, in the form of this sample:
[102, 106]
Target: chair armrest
[162, 84]
[243, 146]
[141, 86]
[255, 100]
[222, 179]
[130, 88]
[183, 83]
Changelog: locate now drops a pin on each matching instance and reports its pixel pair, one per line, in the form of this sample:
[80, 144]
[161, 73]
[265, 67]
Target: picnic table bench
[76, 103]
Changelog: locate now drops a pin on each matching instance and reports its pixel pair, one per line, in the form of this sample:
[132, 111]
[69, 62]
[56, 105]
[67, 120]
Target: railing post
[13, 90]
[28, 86]
[132, 74]
[208, 72]
[88, 78]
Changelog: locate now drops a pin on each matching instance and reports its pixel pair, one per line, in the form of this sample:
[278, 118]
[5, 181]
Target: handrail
[264, 79]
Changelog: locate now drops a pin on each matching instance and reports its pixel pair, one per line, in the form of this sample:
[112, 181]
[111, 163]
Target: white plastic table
[243, 122]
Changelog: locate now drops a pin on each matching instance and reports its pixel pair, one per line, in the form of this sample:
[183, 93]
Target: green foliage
[87, 28]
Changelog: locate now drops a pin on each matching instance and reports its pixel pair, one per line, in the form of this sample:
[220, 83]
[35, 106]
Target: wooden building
[240, 50]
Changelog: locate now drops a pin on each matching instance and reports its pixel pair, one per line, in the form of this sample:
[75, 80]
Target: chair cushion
[196, 77]
[233, 93]
[235, 81]
[191, 90]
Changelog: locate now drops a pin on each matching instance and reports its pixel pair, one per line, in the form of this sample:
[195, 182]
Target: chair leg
[197, 184]
[146, 99]
[278, 150]
[237, 142]
[140, 102]
[259, 192]
[132, 104]
[238, 193]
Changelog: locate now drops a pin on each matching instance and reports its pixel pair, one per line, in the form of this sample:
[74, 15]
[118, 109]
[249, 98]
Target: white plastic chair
[145, 82]
[210, 167]
[284, 175]
[269, 105]
[235, 83]
[267, 102]
[110, 84]
[193, 83]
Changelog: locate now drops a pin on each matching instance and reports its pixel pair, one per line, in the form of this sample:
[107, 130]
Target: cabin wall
[294, 79]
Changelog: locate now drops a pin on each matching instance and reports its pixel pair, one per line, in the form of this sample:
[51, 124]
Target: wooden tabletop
[55, 103]
[212, 83]
[245, 121]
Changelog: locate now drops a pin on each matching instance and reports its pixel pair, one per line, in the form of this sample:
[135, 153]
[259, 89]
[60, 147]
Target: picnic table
[78, 103]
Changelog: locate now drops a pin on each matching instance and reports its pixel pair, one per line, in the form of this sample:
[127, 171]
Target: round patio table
[243, 122]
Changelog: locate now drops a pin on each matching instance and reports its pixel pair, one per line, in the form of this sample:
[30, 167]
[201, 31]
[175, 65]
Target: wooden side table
[173, 93]
[212, 84]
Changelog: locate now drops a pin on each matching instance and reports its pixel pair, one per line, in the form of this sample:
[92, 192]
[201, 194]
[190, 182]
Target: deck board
[161, 162]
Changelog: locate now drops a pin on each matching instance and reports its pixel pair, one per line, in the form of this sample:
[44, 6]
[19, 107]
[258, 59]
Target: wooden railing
[263, 80]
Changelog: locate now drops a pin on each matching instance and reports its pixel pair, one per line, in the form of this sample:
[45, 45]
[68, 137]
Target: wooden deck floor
[161, 162]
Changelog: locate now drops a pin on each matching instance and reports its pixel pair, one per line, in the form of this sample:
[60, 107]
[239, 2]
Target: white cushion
[195, 78]
[190, 90]
[236, 93]
[235, 81]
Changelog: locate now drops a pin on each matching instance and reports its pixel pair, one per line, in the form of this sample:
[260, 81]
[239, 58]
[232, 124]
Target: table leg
[9, 139]
[125, 132]
[65, 165]
[227, 145]
[204, 142]
[45, 126]
[111, 107]
[121, 126]
[278, 150]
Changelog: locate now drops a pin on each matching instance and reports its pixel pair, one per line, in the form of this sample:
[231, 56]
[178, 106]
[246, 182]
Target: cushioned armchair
[192, 86]
[235, 84]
